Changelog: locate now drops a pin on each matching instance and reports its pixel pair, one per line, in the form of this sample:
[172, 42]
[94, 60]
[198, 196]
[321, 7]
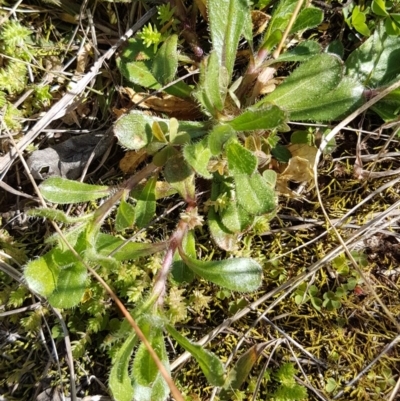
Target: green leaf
[309, 17]
[336, 47]
[240, 160]
[235, 218]
[139, 73]
[57, 215]
[215, 82]
[316, 91]
[226, 25]
[240, 372]
[162, 156]
[272, 40]
[71, 285]
[180, 89]
[63, 191]
[379, 8]
[358, 19]
[120, 381]
[280, 17]
[219, 135]
[331, 385]
[108, 262]
[266, 117]
[302, 137]
[254, 194]
[392, 26]
[158, 132]
[270, 177]
[318, 75]
[125, 216]
[377, 61]
[106, 244]
[146, 205]
[42, 274]
[223, 238]
[213, 86]
[148, 384]
[301, 52]
[136, 50]
[389, 107]
[133, 130]
[237, 274]
[165, 62]
[332, 105]
[209, 363]
[180, 176]
[281, 153]
[198, 155]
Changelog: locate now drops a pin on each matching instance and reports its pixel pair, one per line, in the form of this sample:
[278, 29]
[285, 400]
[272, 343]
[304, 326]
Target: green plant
[18, 51]
[225, 152]
[363, 18]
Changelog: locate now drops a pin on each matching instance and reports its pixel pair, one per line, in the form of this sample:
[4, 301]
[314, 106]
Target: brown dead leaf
[260, 21]
[182, 109]
[119, 112]
[299, 169]
[82, 59]
[131, 160]
[304, 151]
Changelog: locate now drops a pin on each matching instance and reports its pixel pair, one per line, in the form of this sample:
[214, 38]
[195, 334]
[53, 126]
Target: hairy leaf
[41, 274]
[389, 107]
[318, 75]
[148, 384]
[125, 216]
[139, 73]
[63, 191]
[266, 117]
[133, 130]
[227, 23]
[146, 204]
[166, 61]
[377, 61]
[180, 176]
[302, 52]
[237, 274]
[240, 159]
[57, 215]
[333, 105]
[223, 238]
[316, 91]
[240, 372]
[106, 244]
[308, 18]
[198, 155]
[120, 381]
[254, 194]
[209, 363]
[219, 135]
[71, 285]
[278, 23]
[235, 218]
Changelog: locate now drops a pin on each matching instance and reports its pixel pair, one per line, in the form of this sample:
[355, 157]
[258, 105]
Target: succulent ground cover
[208, 207]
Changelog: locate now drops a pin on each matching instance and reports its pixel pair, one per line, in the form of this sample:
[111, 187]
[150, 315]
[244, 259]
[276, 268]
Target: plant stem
[161, 280]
